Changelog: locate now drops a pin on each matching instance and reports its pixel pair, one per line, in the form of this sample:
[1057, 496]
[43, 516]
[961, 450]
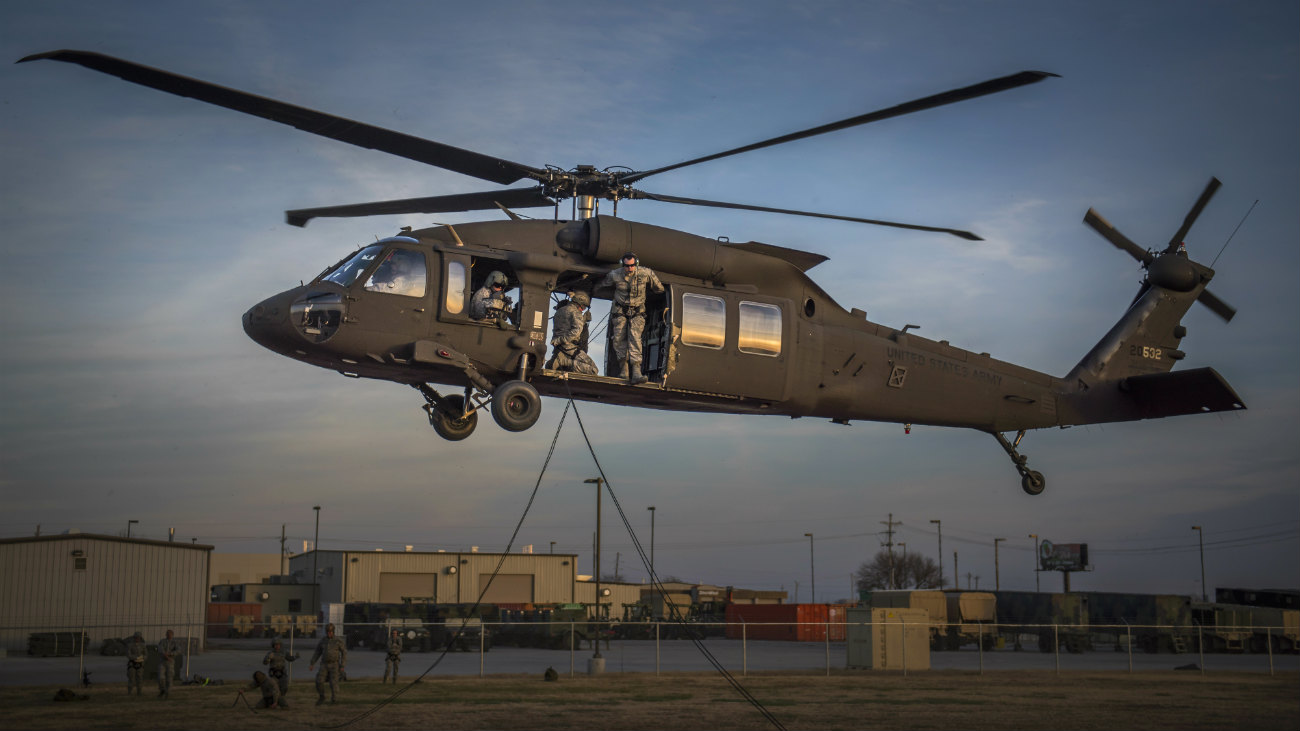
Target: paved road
[237, 660]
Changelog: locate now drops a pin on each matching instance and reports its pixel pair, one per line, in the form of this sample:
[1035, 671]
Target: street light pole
[812, 565]
[1035, 537]
[939, 527]
[1200, 539]
[652, 542]
[997, 576]
[315, 557]
[598, 482]
[128, 527]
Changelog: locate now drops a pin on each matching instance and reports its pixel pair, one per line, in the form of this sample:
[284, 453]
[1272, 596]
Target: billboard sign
[1062, 556]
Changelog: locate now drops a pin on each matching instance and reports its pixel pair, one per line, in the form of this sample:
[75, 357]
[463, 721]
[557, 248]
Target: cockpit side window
[457, 285]
[349, 271]
[401, 272]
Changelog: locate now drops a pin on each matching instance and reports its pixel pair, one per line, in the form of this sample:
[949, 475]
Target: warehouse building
[104, 586]
[445, 577]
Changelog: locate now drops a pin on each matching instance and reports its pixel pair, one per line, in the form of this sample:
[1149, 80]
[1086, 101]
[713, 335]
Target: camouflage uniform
[488, 305]
[394, 656]
[627, 316]
[570, 319]
[136, 652]
[277, 661]
[335, 652]
[168, 648]
[271, 696]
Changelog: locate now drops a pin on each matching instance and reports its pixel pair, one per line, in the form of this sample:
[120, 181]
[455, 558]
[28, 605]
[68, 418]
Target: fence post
[828, 649]
[1200, 646]
[904, 623]
[482, 635]
[1129, 630]
[572, 639]
[1268, 637]
[744, 650]
[1056, 646]
[980, 643]
[657, 648]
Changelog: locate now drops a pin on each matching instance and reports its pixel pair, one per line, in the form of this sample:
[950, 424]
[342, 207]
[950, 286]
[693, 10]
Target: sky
[138, 227]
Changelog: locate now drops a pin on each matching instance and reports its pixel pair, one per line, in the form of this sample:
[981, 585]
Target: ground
[843, 700]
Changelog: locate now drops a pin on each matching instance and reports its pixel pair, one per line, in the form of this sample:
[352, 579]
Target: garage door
[507, 588]
[392, 586]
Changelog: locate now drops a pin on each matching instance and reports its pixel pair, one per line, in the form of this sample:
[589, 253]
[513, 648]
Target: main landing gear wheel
[516, 405]
[449, 419]
[1031, 481]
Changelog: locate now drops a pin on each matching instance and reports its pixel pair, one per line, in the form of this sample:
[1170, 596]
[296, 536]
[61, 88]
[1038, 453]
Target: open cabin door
[727, 343]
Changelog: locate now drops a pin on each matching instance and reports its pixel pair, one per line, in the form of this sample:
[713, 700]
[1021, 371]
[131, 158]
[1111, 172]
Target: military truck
[1054, 620]
[1155, 622]
[972, 619]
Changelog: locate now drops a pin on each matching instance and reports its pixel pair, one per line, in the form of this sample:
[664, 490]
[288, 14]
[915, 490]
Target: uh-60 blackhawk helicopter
[740, 327]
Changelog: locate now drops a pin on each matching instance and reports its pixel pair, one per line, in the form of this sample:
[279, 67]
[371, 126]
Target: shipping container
[222, 620]
[790, 622]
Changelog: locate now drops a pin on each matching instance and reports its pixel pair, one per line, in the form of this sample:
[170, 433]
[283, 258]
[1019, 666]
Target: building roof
[99, 537]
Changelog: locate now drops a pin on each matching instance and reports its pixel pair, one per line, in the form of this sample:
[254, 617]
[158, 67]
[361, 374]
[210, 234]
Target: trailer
[1154, 622]
[1053, 620]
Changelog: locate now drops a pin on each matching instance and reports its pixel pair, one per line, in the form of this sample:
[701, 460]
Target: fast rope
[674, 612]
[482, 592]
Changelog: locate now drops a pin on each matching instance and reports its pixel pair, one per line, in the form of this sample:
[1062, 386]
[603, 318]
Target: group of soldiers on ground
[629, 284]
[331, 652]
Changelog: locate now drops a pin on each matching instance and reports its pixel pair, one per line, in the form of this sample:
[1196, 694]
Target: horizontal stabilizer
[1197, 391]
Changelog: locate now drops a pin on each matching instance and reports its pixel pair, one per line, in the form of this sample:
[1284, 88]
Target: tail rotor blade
[1112, 234]
[1192, 215]
[1216, 305]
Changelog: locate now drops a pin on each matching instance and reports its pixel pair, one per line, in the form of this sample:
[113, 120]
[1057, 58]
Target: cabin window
[760, 329]
[704, 321]
[456, 286]
[350, 271]
[401, 272]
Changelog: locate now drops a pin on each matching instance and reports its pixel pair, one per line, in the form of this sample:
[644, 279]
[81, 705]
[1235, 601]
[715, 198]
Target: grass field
[845, 700]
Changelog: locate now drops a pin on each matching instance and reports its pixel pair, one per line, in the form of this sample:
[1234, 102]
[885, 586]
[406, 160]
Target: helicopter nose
[267, 323]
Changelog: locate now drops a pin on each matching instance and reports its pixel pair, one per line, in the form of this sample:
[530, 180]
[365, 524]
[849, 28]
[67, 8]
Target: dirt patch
[844, 700]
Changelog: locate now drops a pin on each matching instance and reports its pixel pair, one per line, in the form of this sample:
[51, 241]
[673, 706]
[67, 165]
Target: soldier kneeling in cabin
[571, 319]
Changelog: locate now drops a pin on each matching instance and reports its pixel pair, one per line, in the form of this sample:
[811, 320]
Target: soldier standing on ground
[168, 648]
[136, 651]
[627, 315]
[394, 655]
[570, 319]
[335, 654]
[277, 660]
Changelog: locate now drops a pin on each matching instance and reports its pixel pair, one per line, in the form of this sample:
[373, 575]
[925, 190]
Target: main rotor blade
[447, 157]
[1111, 234]
[640, 194]
[1216, 305]
[937, 100]
[510, 198]
[1192, 215]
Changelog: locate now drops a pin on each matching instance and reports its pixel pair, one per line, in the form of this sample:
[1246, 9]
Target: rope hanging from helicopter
[482, 592]
[674, 611]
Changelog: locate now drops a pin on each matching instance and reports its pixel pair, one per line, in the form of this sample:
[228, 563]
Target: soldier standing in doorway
[168, 648]
[277, 661]
[136, 651]
[394, 655]
[627, 315]
[335, 654]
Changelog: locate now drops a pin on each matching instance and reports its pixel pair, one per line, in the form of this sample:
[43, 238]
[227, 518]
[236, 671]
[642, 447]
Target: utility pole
[1200, 539]
[939, 527]
[956, 573]
[282, 549]
[1035, 537]
[812, 567]
[889, 544]
[652, 542]
[599, 483]
[997, 574]
[315, 557]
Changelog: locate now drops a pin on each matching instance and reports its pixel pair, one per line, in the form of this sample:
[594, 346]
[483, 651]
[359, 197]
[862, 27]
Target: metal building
[104, 586]
[449, 578]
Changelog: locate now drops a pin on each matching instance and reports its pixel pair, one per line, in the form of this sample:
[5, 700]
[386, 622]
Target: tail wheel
[516, 405]
[1033, 482]
[448, 418]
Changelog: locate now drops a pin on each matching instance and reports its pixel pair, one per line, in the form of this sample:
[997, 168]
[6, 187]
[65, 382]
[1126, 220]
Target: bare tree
[884, 571]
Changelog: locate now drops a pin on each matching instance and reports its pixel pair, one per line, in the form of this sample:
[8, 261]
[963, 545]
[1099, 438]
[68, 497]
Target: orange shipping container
[791, 622]
[219, 614]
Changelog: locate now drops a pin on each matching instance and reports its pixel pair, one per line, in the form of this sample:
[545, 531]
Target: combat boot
[637, 376]
[620, 371]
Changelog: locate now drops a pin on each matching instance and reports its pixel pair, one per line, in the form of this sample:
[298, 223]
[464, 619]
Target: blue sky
[139, 226]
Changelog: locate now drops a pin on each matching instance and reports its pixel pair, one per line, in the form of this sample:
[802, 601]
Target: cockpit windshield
[346, 273]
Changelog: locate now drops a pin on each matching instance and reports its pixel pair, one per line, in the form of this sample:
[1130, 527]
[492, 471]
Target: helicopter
[739, 328]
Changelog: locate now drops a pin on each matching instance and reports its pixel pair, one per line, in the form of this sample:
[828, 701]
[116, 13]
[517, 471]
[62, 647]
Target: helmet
[580, 298]
[276, 642]
[258, 677]
[496, 278]
[630, 255]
